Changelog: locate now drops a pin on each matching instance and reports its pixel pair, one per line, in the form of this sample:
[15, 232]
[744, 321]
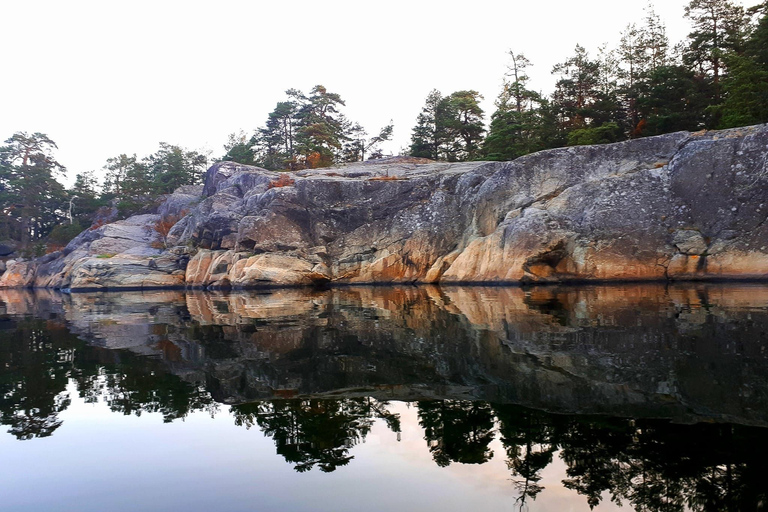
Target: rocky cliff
[676, 206]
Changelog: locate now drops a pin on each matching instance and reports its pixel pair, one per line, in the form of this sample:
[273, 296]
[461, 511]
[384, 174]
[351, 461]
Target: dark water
[548, 399]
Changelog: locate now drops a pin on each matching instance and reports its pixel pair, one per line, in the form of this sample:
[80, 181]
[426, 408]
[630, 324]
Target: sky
[105, 78]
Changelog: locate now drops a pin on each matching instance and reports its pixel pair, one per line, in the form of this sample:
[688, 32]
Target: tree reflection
[659, 466]
[35, 360]
[38, 359]
[313, 432]
[530, 440]
[457, 431]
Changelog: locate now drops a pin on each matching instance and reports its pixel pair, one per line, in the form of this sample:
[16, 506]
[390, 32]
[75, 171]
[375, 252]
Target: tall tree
[425, 138]
[642, 50]
[84, 199]
[277, 139]
[586, 100]
[358, 143]
[577, 89]
[321, 133]
[28, 188]
[520, 124]
[718, 28]
[120, 174]
[240, 148]
[173, 166]
[746, 86]
[462, 119]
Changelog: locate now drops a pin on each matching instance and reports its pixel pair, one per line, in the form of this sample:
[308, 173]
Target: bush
[603, 134]
[62, 234]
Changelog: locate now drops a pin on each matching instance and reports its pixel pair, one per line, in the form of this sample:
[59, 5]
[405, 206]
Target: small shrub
[63, 233]
[96, 225]
[164, 225]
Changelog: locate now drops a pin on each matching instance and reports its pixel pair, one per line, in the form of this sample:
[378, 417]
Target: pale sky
[108, 77]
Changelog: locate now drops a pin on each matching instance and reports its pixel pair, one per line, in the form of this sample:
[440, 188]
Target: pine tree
[30, 196]
[424, 138]
[718, 28]
[519, 124]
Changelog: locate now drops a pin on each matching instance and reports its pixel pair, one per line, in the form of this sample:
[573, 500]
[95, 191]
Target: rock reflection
[657, 396]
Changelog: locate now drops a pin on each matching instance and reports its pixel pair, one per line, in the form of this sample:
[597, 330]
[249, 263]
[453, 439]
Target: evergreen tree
[240, 148]
[121, 176]
[172, 166]
[577, 89]
[746, 86]
[277, 139]
[425, 138]
[520, 124]
[30, 196]
[84, 199]
[671, 99]
[358, 144]
[321, 128]
[586, 99]
[718, 28]
[642, 50]
[460, 118]
[304, 132]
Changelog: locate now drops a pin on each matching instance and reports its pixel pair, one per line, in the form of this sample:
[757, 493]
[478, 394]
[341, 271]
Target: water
[652, 397]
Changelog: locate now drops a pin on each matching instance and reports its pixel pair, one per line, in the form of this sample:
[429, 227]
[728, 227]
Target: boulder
[7, 248]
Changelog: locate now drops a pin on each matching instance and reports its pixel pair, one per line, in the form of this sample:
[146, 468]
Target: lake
[648, 397]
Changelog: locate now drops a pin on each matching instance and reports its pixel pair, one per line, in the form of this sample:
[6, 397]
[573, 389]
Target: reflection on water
[650, 395]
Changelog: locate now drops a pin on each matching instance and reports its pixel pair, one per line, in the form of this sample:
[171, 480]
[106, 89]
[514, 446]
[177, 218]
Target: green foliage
[31, 199]
[85, 199]
[62, 234]
[603, 134]
[449, 128]
[524, 122]
[671, 99]
[424, 137]
[746, 86]
[239, 148]
[746, 90]
[586, 94]
[358, 144]
[136, 184]
[173, 166]
[309, 131]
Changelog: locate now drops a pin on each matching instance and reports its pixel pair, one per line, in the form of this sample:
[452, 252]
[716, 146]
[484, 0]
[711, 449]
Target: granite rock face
[676, 206]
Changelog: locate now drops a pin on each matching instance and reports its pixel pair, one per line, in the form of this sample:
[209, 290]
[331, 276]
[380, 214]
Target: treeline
[717, 78]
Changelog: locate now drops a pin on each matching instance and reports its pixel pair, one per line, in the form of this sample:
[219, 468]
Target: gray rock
[676, 206]
[7, 248]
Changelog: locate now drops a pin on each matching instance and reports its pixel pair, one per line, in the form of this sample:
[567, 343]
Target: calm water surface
[650, 397]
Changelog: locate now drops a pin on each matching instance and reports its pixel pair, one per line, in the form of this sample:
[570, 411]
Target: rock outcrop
[676, 206]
